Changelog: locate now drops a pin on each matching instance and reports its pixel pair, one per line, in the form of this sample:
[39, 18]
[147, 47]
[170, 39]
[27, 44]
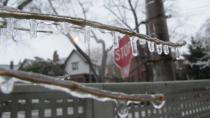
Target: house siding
[83, 67]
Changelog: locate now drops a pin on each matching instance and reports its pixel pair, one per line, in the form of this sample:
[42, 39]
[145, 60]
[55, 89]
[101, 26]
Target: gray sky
[197, 11]
[194, 11]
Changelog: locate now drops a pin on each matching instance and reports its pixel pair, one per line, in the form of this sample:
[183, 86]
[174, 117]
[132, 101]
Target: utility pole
[163, 67]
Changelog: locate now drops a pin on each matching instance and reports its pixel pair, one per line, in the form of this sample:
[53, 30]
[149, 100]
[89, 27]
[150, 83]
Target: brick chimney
[55, 57]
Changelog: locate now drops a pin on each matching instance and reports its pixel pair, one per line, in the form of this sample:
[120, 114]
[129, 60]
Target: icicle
[10, 27]
[177, 53]
[64, 28]
[33, 23]
[151, 46]
[1, 32]
[142, 41]
[87, 35]
[33, 28]
[55, 29]
[158, 104]
[159, 49]
[6, 85]
[134, 47]
[166, 49]
[122, 109]
[173, 51]
[116, 39]
[152, 29]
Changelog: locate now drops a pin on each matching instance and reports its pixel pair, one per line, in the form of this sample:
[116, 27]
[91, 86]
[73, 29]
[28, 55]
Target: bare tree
[128, 13]
[71, 39]
[84, 11]
[104, 57]
[105, 51]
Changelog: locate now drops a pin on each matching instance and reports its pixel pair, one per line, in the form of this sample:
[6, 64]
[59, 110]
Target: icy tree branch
[6, 13]
[76, 87]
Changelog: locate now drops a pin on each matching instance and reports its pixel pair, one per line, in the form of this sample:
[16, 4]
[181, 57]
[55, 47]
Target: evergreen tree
[46, 68]
[198, 59]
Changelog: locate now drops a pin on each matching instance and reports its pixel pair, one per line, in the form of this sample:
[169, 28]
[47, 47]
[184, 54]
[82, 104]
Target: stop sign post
[123, 56]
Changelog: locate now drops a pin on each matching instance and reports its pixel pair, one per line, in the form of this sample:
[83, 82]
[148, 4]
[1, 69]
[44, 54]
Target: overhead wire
[193, 11]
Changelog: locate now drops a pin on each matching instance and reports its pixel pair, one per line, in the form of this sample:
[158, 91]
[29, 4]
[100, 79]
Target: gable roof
[80, 55]
[72, 52]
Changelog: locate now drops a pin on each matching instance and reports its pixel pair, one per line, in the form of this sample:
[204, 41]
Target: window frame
[75, 66]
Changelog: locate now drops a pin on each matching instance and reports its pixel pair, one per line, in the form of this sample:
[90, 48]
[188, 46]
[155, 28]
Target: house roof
[80, 55]
[72, 52]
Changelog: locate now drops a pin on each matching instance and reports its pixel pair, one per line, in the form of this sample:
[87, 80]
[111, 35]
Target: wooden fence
[185, 99]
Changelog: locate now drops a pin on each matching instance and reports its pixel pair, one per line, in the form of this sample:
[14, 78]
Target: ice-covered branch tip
[7, 13]
[76, 87]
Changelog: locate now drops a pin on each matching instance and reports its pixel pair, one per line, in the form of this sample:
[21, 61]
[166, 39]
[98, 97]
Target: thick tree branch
[98, 40]
[109, 49]
[73, 86]
[134, 15]
[84, 11]
[104, 56]
[52, 7]
[24, 4]
[81, 22]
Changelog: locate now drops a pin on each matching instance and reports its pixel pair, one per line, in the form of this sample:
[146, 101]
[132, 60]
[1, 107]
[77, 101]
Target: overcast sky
[194, 11]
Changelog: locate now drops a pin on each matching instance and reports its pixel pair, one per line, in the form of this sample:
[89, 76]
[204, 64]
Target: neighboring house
[74, 66]
[77, 67]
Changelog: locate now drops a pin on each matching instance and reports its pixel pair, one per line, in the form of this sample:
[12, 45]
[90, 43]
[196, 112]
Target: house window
[75, 65]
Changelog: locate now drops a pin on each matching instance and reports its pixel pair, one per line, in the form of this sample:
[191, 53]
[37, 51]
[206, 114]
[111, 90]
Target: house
[77, 67]
[74, 67]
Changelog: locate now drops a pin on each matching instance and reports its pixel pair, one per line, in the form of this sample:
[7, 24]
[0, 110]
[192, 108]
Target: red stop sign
[123, 54]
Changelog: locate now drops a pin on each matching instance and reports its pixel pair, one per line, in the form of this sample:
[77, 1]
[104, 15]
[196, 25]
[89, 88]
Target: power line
[191, 14]
[197, 9]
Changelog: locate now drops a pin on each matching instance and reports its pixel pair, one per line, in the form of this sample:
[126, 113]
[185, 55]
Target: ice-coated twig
[7, 13]
[26, 29]
[76, 87]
